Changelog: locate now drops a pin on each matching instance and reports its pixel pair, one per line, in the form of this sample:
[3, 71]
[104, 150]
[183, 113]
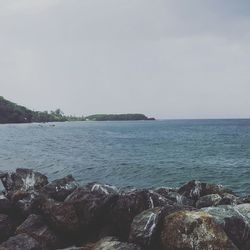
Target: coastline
[36, 214]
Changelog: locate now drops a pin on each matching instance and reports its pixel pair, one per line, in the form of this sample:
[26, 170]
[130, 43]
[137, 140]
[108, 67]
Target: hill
[11, 112]
[118, 117]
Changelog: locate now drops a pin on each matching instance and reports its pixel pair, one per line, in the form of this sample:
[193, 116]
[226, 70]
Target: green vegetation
[12, 113]
[119, 117]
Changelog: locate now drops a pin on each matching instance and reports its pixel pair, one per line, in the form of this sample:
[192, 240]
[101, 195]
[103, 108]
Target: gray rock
[60, 216]
[6, 227]
[235, 220]
[24, 179]
[193, 230]
[145, 226]
[35, 227]
[93, 210]
[5, 204]
[229, 199]
[196, 189]
[20, 242]
[109, 243]
[130, 204]
[102, 188]
[59, 189]
[208, 200]
[179, 199]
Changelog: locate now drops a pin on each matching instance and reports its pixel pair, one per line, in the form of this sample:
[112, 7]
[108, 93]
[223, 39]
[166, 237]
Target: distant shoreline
[11, 112]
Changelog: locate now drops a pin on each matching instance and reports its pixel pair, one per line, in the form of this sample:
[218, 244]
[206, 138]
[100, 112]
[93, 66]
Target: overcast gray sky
[164, 58]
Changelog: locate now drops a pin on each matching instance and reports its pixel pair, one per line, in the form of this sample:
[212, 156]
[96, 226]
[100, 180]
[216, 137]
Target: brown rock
[193, 230]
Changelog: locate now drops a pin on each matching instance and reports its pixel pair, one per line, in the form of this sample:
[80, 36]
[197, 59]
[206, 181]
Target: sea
[141, 154]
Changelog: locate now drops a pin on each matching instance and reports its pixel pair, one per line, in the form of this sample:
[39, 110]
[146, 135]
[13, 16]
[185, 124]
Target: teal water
[141, 154]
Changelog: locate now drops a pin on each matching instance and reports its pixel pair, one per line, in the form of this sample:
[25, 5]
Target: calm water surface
[141, 154]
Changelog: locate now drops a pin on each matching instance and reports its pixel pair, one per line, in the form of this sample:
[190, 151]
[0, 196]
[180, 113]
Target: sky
[165, 58]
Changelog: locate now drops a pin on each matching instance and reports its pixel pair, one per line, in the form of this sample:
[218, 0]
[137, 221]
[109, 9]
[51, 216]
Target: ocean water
[137, 153]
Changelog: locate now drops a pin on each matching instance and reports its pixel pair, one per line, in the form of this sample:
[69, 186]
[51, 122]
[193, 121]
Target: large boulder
[92, 208]
[5, 204]
[35, 227]
[21, 242]
[60, 216]
[196, 189]
[6, 227]
[59, 189]
[145, 226]
[130, 204]
[24, 179]
[110, 243]
[23, 201]
[208, 200]
[193, 230]
[179, 199]
[102, 188]
[230, 199]
[235, 220]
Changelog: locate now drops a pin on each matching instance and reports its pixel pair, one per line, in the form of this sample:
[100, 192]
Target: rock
[145, 226]
[208, 200]
[3, 174]
[35, 227]
[193, 230]
[5, 204]
[164, 191]
[229, 199]
[179, 199]
[92, 209]
[235, 220]
[6, 227]
[24, 179]
[61, 188]
[109, 243]
[196, 189]
[130, 204]
[60, 216]
[245, 199]
[20, 242]
[23, 202]
[102, 188]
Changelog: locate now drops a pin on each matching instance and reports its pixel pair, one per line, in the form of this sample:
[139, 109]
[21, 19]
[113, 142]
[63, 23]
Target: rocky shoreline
[36, 214]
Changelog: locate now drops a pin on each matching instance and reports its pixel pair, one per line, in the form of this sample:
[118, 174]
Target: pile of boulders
[36, 214]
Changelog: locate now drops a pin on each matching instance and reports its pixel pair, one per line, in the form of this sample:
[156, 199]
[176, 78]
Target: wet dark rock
[180, 199]
[130, 204]
[60, 216]
[145, 226]
[3, 174]
[24, 179]
[196, 189]
[23, 202]
[92, 209]
[109, 243]
[6, 227]
[21, 242]
[245, 199]
[102, 188]
[5, 204]
[61, 188]
[229, 199]
[35, 227]
[164, 191]
[208, 200]
[235, 220]
[193, 230]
